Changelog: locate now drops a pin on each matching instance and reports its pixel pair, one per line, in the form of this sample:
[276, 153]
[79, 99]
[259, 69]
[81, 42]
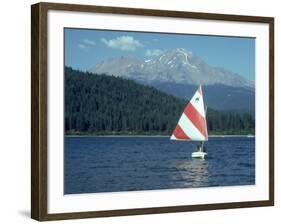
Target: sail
[192, 123]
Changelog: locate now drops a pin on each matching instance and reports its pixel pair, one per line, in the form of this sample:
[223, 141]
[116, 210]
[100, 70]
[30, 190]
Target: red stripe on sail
[179, 133]
[196, 118]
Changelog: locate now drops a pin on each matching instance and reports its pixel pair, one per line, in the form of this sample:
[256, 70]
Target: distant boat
[192, 125]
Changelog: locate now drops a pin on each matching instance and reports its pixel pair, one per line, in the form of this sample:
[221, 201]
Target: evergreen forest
[98, 104]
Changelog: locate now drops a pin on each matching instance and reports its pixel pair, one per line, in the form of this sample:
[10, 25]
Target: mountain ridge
[175, 66]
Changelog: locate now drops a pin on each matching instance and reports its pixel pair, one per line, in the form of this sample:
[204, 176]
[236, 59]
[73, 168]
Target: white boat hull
[200, 155]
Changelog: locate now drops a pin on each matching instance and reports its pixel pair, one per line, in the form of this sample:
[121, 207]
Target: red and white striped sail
[192, 124]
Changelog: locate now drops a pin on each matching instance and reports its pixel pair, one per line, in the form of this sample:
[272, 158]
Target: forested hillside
[101, 104]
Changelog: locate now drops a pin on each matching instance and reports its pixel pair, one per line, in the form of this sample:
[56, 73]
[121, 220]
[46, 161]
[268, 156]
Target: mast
[202, 143]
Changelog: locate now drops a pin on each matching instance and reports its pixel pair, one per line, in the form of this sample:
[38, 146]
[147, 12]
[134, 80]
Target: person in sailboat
[198, 148]
[201, 148]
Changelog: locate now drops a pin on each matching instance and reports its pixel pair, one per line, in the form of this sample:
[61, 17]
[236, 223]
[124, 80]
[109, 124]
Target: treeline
[101, 104]
[222, 122]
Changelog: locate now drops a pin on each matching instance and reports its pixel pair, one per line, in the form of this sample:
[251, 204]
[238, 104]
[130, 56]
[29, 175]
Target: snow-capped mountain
[178, 66]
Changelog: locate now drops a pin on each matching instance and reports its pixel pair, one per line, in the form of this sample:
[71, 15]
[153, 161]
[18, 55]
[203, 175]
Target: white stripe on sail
[189, 129]
[197, 103]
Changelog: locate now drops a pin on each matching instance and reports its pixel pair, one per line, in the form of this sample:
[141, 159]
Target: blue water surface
[112, 164]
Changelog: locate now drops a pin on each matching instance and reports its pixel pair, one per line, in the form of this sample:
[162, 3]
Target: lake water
[111, 164]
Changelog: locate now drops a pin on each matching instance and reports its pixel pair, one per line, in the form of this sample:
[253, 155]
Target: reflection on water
[96, 164]
[194, 173]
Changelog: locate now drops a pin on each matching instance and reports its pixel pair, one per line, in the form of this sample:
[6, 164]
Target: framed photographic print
[139, 111]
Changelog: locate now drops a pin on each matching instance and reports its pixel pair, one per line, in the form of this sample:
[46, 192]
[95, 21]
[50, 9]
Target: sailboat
[192, 125]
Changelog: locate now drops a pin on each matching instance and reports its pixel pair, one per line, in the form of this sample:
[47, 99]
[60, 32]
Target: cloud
[153, 52]
[86, 43]
[89, 42]
[81, 46]
[123, 43]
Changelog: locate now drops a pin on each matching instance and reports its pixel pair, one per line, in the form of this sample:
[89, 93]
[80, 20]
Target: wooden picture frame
[39, 110]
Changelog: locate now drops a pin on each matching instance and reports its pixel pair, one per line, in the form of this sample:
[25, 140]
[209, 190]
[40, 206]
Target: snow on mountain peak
[174, 66]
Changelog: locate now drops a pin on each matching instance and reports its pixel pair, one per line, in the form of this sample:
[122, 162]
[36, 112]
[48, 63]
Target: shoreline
[153, 136]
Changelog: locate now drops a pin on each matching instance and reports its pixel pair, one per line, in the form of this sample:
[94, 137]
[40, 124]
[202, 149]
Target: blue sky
[84, 48]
